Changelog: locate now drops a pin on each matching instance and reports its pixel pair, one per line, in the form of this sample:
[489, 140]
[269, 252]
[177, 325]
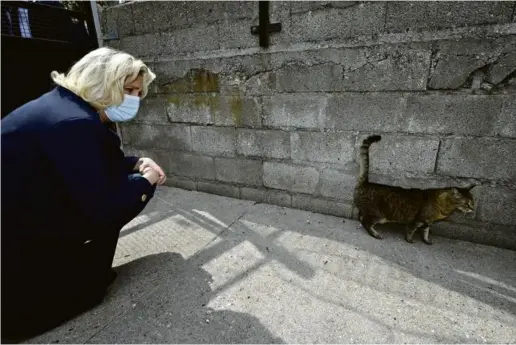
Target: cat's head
[463, 199]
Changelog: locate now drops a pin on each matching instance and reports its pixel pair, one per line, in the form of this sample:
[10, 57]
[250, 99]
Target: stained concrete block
[416, 16]
[455, 61]
[189, 165]
[241, 171]
[294, 178]
[308, 203]
[365, 111]
[478, 157]
[322, 147]
[506, 125]
[337, 184]
[388, 69]
[263, 143]
[497, 205]
[194, 108]
[505, 64]
[218, 189]
[153, 110]
[266, 196]
[306, 78]
[403, 153]
[174, 137]
[451, 114]
[239, 111]
[214, 141]
[336, 23]
[213, 108]
[295, 110]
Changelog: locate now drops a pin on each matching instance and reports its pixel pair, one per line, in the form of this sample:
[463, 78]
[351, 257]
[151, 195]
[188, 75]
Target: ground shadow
[466, 268]
[176, 309]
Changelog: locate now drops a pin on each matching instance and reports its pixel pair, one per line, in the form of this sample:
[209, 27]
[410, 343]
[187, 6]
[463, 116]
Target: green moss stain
[204, 81]
[236, 109]
[195, 80]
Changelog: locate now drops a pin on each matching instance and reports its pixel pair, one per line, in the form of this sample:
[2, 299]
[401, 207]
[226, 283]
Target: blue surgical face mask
[125, 111]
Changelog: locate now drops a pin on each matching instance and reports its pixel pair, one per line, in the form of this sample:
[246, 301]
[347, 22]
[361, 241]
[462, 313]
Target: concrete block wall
[283, 125]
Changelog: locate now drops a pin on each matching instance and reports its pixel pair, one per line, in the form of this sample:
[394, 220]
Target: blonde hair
[99, 77]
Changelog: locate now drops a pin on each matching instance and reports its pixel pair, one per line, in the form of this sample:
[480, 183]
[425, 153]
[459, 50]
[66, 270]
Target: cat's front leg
[426, 235]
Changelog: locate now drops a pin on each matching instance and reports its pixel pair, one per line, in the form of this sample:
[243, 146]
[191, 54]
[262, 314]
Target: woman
[68, 189]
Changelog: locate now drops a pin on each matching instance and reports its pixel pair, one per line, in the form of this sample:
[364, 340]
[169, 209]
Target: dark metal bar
[264, 23]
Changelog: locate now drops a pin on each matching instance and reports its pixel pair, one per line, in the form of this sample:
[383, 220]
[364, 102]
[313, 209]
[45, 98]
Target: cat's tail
[363, 176]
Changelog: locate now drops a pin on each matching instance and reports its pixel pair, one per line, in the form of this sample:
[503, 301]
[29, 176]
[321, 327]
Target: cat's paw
[409, 240]
[377, 236]
[429, 241]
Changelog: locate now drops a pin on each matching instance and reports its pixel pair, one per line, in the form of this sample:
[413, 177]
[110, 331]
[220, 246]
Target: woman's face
[134, 88]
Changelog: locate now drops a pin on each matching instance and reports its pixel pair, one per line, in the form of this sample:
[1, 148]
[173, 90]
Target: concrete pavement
[200, 268]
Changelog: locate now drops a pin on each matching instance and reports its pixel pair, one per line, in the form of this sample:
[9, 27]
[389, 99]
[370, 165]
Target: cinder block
[416, 16]
[497, 205]
[478, 157]
[266, 196]
[194, 108]
[365, 111]
[337, 23]
[153, 110]
[242, 171]
[212, 108]
[295, 110]
[308, 203]
[451, 114]
[385, 68]
[506, 125]
[118, 21]
[337, 184]
[238, 111]
[214, 141]
[263, 143]
[455, 61]
[305, 6]
[218, 189]
[322, 147]
[235, 34]
[160, 16]
[142, 46]
[303, 78]
[180, 182]
[197, 38]
[290, 177]
[193, 166]
[477, 232]
[402, 153]
[174, 137]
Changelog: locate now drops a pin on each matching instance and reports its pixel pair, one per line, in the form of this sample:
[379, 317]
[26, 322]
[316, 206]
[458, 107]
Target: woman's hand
[150, 174]
[145, 163]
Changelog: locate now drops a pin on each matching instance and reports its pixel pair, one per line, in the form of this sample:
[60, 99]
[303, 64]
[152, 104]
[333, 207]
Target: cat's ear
[456, 193]
[470, 187]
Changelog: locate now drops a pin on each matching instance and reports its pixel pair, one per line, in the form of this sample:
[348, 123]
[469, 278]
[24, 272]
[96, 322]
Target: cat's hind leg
[368, 222]
[410, 230]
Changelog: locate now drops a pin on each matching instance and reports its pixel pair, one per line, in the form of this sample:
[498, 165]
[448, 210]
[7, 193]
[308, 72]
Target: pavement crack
[222, 233]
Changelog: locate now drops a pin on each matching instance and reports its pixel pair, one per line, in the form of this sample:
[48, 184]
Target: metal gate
[37, 38]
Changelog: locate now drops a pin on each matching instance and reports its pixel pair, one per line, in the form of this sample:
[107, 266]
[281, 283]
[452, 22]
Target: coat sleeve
[75, 149]
[130, 162]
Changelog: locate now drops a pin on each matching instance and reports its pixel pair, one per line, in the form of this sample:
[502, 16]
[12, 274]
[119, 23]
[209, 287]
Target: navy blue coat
[65, 179]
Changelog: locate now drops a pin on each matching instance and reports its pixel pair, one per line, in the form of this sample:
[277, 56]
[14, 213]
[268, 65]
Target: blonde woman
[67, 190]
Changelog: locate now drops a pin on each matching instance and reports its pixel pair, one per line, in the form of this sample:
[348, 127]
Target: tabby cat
[416, 208]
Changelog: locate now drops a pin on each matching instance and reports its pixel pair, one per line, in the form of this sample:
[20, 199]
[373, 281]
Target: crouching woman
[68, 189]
